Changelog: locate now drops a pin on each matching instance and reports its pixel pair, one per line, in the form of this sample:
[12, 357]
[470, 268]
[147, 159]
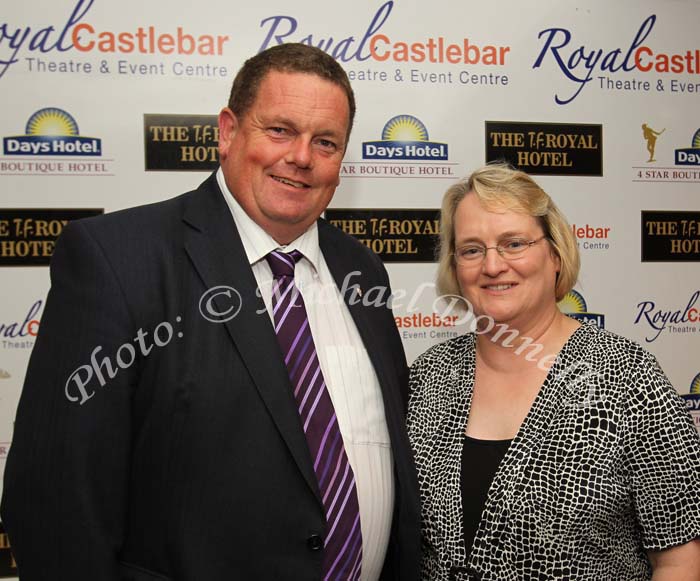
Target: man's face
[281, 160]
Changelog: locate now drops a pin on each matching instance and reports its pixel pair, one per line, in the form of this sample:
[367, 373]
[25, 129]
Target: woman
[545, 449]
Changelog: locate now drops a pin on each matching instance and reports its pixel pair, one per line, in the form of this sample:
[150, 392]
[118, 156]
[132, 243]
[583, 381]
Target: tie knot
[282, 263]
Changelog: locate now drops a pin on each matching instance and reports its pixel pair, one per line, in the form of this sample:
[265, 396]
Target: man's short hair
[287, 58]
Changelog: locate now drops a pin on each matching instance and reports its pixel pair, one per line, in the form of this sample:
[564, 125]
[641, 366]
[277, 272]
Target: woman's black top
[480, 461]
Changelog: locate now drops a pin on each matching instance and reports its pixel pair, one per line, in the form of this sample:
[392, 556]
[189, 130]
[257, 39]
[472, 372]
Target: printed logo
[28, 236]
[675, 321]
[692, 400]
[52, 133]
[405, 150]
[420, 325]
[574, 305]
[650, 138]
[581, 64]
[371, 45]
[691, 155]
[395, 235]
[404, 137]
[40, 50]
[686, 160]
[547, 148]
[181, 142]
[20, 334]
[591, 237]
[670, 236]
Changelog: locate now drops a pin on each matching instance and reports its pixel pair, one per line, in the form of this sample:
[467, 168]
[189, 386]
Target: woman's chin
[493, 317]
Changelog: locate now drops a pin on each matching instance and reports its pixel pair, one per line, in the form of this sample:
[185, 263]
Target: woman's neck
[513, 350]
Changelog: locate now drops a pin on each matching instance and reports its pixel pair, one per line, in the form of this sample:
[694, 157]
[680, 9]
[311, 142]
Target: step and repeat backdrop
[110, 105]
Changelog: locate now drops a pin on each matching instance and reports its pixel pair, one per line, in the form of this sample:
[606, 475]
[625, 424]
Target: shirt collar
[257, 243]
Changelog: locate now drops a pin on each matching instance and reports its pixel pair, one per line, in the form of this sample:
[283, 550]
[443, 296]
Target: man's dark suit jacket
[190, 463]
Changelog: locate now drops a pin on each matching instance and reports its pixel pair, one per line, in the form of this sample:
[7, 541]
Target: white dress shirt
[350, 377]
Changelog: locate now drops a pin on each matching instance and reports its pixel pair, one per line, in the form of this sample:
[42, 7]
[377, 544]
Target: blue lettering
[659, 319]
[279, 38]
[15, 42]
[557, 39]
[281, 28]
[691, 302]
[14, 330]
[641, 35]
[40, 39]
[608, 63]
[324, 45]
[339, 53]
[646, 308]
[377, 22]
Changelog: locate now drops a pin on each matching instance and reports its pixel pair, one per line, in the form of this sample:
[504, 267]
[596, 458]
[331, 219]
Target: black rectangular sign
[547, 148]
[395, 235]
[181, 142]
[670, 236]
[28, 235]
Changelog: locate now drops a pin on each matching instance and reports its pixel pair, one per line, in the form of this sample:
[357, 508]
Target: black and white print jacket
[605, 466]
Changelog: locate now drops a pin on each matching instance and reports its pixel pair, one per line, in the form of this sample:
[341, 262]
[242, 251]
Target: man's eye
[278, 130]
[326, 144]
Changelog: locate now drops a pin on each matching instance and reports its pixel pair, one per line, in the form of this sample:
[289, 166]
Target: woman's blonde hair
[499, 187]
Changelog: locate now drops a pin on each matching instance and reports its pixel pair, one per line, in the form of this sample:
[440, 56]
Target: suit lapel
[215, 248]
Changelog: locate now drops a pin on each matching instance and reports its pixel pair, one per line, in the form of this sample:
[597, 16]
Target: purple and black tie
[342, 558]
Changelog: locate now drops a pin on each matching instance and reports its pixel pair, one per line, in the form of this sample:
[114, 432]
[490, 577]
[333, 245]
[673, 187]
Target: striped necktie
[342, 558]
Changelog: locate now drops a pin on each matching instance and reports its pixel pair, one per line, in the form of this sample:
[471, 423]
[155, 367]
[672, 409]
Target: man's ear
[228, 126]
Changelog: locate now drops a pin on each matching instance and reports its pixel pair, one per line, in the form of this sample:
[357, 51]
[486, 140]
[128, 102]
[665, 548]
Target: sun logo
[574, 305]
[572, 302]
[695, 384]
[404, 128]
[51, 121]
[405, 137]
[696, 140]
[51, 131]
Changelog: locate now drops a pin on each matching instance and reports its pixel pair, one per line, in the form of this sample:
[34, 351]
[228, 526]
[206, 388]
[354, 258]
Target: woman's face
[517, 291]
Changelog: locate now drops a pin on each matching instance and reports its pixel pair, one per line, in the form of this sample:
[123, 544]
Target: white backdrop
[616, 65]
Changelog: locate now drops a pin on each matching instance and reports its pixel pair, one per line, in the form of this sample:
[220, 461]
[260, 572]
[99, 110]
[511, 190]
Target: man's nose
[300, 153]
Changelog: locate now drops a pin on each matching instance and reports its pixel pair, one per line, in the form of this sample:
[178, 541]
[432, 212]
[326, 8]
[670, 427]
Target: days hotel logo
[404, 151]
[574, 305]
[51, 145]
[404, 137]
[691, 155]
[686, 168]
[52, 131]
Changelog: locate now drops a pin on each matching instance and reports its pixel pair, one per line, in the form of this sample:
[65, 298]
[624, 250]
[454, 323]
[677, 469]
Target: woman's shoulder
[609, 346]
[624, 363]
[443, 353]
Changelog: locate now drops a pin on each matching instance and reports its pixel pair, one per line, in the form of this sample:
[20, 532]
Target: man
[161, 433]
